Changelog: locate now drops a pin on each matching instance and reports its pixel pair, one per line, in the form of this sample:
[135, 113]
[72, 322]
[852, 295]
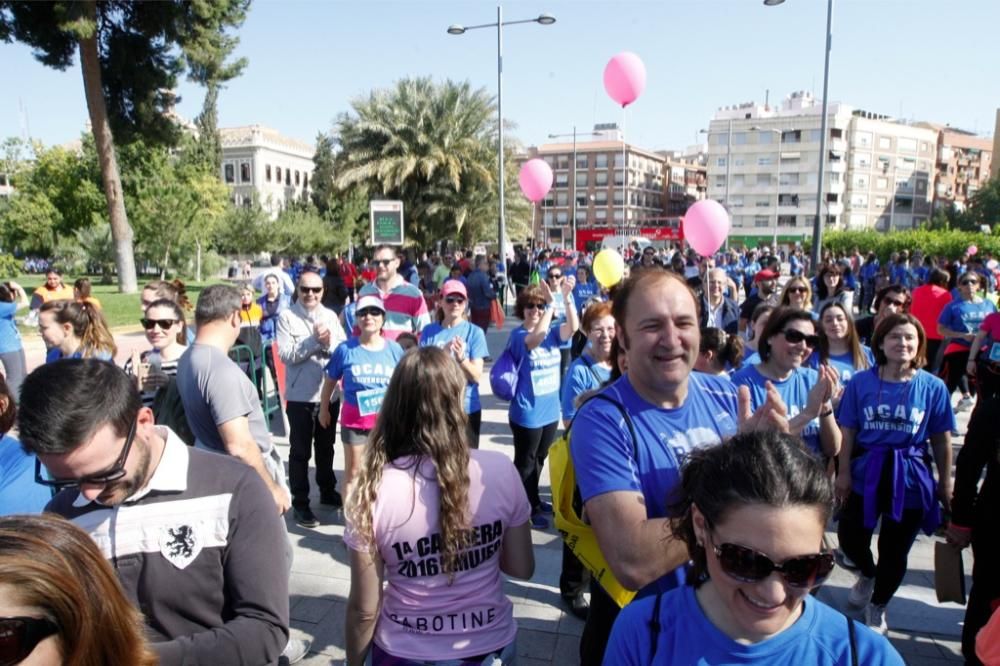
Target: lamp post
[456, 29]
[777, 196]
[572, 214]
[818, 224]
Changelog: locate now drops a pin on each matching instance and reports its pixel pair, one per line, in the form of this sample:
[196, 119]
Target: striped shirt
[406, 309]
[169, 368]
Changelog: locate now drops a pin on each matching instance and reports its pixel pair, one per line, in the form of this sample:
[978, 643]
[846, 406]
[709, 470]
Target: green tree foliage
[984, 207]
[131, 54]
[949, 244]
[431, 145]
[345, 210]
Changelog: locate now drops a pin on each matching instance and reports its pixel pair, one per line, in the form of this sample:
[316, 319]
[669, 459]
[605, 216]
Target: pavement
[925, 632]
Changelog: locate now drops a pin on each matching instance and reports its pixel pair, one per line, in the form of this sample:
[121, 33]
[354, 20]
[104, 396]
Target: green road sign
[387, 222]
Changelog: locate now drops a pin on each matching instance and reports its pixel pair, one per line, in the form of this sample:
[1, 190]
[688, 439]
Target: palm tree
[433, 146]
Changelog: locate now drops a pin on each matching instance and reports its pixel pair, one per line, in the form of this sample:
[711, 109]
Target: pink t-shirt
[422, 616]
[992, 325]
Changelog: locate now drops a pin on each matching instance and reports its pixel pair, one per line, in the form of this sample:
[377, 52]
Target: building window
[764, 138]
[618, 160]
[881, 183]
[305, 181]
[862, 139]
[739, 138]
[764, 160]
[721, 139]
[230, 173]
[619, 197]
[738, 180]
[562, 179]
[547, 218]
[791, 136]
[860, 181]
[245, 172]
[736, 202]
[836, 133]
[832, 198]
[862, 160]
[720, 162]
[859, 200]
[267, 173]
[739, 161]
[297, 179]
[582, 161]
[904, 204]
[562, 199]
[815, 135]
[288, 176]
[884, 143]
[601, 178]
[786, 220]
[789, 179]
[581, 217]
[581, 180]
[720, 181]
[602, 161]
[562, 218]
[601, 198]
[277, 175]
[601, 214]
[619, 177]
[761, 221]
[881, 202]
[764, 179]
[619, 215]
[907, 145]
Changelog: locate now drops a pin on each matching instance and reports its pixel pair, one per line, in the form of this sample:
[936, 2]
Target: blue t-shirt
[602, 446]
[55, 354]
[843, 363]
[819, 637]
[965, 317]
[583, 375]
[366, 374]
[582, 292]
[536, 400]
[435, 335]
[897, 417]
[18, 491]
[794, 391]
[10, 338]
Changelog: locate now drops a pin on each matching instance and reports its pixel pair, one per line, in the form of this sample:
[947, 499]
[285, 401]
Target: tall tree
[130, 56]
[430, 145]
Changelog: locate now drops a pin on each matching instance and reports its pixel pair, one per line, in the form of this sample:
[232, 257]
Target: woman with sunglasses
[466, 343]
[534, 411]
[365, 364]
[74, 330]
[752, 512]
[785, 345]
[797, 293]
[60, 601]
[887, 415]
[839, 346]
[959, 322]
[166, 332]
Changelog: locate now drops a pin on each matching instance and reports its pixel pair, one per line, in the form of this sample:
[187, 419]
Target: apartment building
[259, 161]
[763, 163]
[964, 163]
[594, 191]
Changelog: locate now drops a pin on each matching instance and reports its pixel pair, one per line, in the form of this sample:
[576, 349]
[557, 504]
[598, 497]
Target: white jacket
[304, 357]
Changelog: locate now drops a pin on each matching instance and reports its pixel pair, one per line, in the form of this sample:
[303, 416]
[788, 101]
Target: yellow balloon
[609, 267]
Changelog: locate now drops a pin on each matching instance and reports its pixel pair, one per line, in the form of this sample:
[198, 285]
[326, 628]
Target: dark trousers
[305, 432]
[985, 593]
[531, 446]
[933, 352]
[480, 317]
[601, 617]
[955, 362]
[475, 427]
[894, 542]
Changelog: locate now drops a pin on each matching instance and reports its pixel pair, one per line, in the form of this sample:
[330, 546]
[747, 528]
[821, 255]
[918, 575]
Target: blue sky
[920, 59]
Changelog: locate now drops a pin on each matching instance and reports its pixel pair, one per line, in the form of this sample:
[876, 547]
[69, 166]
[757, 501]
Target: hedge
[950, 244]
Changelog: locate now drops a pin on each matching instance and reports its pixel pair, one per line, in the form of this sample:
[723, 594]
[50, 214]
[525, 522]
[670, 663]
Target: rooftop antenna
[23, 118]
[767, 98]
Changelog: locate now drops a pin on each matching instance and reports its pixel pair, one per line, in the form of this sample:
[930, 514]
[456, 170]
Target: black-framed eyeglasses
[370, 312]
[454, 299]
[19, 636]
[164, 324]
[382, 262]
[795, 337]
[116, 472]
[310, 290]
[750, 566]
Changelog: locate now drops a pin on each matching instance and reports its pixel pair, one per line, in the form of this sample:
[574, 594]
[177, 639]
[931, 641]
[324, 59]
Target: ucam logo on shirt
[893, 417]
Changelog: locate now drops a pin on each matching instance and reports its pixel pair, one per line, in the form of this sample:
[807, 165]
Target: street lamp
[573, 210]
[777, 196]
[818, 225]
[457, 29]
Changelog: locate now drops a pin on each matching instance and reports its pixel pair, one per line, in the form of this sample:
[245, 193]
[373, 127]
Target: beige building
[259, 161]
[964, 163]
[995, 164]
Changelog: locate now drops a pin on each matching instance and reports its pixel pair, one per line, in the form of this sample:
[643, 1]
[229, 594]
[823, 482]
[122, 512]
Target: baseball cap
[765, 275]
[370, 301]
[453, 287]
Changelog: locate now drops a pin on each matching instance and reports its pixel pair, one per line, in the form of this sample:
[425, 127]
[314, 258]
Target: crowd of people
[749, 407]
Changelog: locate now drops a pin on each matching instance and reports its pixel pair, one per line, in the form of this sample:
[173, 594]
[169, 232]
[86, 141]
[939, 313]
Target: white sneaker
[875, 618]
[965, 404]
[294, 652]
[861, 593]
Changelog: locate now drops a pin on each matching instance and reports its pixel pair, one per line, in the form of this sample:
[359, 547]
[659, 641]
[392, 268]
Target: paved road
[925, 632]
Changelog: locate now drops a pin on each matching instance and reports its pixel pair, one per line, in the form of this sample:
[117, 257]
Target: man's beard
[117, 492]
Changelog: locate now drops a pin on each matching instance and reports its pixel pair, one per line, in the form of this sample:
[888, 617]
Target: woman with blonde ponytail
[438, 523]
[75, 330]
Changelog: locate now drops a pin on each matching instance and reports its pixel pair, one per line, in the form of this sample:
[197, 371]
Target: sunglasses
[310, 290]
[454, 299]
[968, 282]
[99, 479]
[749, 566]
[534, 306]
[795, 337]
[382, 262]
[369, 312]
[797, 290]
[20, 635]
[894, 303]
[555, 276]
[164, 324]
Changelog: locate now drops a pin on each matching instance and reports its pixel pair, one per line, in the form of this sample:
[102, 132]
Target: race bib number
[370, 401]
[545, 381]
[995, 352]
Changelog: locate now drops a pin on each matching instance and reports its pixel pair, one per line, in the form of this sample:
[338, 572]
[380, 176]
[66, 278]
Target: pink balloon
[535, 179]
[972, 251]
[706, 226]
[625, 77]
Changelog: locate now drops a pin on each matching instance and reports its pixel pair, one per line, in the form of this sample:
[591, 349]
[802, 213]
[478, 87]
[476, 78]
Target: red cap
[765, 274]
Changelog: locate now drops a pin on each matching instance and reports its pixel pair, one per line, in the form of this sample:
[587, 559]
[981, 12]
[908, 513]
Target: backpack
[503, 375]
[168, 410]
[578, 535]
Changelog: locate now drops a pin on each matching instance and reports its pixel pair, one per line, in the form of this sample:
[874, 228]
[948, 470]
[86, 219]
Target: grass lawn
[121, 310]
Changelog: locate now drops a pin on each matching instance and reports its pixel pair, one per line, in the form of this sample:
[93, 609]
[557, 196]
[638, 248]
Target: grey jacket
[304, 357]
